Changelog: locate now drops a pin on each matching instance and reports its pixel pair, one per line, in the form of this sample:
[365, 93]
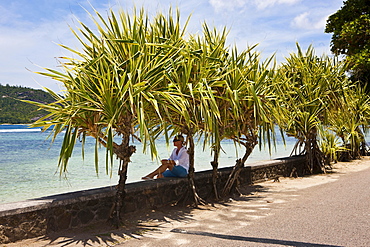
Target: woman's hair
[179, 138]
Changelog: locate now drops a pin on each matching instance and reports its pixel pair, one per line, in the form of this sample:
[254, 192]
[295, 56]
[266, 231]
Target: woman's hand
[168, 162]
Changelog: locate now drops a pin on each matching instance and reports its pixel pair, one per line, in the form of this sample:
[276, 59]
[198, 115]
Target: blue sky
[31, 30]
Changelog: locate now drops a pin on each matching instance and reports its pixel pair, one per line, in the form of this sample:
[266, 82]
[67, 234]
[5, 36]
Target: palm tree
[350, 121]
[249, 88]
[330, 146]
[114, 86]
[191, 107]
[214, 48]
[309, 86]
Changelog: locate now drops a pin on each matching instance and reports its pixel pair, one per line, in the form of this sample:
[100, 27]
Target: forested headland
[14, 111]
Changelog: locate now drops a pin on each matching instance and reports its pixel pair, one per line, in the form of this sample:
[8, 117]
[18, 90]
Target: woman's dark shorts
[177, 171]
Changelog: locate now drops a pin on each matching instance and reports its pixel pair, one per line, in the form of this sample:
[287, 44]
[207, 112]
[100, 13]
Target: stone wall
[42, 216]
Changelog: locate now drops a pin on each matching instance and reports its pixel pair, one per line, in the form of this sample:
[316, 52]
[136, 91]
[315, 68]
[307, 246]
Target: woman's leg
[160, 170]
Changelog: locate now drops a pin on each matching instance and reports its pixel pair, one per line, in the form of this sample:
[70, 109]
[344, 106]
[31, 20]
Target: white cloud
[28, 47]
[301, 21]
[262, 4]
[222, 5]
[309, 22]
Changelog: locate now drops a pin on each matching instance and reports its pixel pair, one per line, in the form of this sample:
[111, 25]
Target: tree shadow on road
[135, 224]
[251, 239]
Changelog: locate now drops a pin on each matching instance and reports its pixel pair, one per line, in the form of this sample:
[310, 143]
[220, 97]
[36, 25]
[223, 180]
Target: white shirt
[182, 158]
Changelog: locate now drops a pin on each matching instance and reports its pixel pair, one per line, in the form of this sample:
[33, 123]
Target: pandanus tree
[308, 87]
[330, 146]
[190, 104]
[244, 103]
[248, 85]
[350, 121]
[238, 85]
[113, 87]
[214, 57]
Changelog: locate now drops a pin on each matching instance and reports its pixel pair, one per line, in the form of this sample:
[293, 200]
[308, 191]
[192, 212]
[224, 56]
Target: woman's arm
[182, 158]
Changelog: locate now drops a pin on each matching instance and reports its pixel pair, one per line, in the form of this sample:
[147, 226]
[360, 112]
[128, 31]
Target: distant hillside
[14, 111]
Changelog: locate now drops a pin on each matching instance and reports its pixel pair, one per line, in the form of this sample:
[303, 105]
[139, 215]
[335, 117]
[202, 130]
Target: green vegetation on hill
[14, 111]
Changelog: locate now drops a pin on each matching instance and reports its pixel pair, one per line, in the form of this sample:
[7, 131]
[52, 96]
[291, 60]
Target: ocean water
[28, 163]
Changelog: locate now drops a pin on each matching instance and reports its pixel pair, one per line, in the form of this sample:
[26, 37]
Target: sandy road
[322, 210]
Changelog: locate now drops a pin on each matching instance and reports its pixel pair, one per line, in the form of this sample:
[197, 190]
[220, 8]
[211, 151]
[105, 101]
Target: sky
[30, 30]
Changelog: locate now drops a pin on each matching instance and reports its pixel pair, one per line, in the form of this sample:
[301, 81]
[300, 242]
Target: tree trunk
[115, 215]
[214, 164]
[124, 153]
[314, 157]
[363, 148]
[214, 179]
[196, 198]
[234, 175]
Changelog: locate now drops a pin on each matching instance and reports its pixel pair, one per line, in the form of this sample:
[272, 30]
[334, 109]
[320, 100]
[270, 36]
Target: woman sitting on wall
[177, 165]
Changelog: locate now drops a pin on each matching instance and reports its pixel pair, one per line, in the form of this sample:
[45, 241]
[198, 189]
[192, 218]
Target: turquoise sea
[28, 163]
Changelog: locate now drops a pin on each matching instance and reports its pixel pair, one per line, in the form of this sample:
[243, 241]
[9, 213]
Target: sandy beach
[175, 226]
